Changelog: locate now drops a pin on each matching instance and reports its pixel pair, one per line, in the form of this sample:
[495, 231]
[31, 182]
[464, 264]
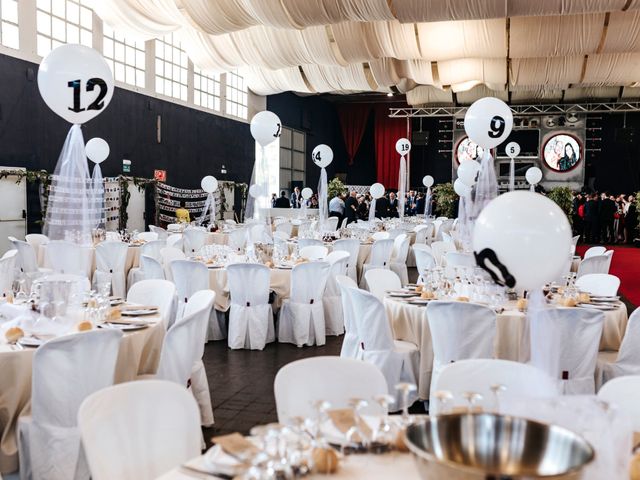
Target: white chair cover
[111, 259]
[439, 250]
[81, 284]
[459, 331]
[445, 228]
[424, 261]
[397, 360]
[594, 264]
[176, 240]
[26, 261]
[309, 242]
[379, 257]
[261, 233]
[380, 281]
[344, 222]
[351, 341]
[599, 284]
[564, 343]
[36, 240]
[457, 259]
[161, 232]
[170, 254]
[285, 227]
[238, 239]
[332, 223]
[193, 240]
[65, 371]
[67, 257]
[624, 393]
[150, 268]
[301, 320]
[424, 234]
[150, 249]
[314, 252]
[380, 236]
[398, 263]
[574, 244]
[280, 236]
[250, 315]
[479, 375]
[627, 361]
[351, 246]
[160, 293]
[139, 430]
[593, 251]
[7, 265]
[337, 380]
[147, 236]
[331, 301]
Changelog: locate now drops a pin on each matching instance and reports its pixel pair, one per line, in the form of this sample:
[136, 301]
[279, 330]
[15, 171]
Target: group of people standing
[356, 206]
[605, 218]
[295, 200]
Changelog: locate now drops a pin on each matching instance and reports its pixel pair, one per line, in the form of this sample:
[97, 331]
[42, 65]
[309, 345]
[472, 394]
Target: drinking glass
[385, 433]
[405, 389]
[356, 435]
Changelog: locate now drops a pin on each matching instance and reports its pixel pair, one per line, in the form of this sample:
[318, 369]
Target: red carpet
[626, 266]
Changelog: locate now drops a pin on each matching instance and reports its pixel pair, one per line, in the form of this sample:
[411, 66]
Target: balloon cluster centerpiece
[403, 147]
[322, 156]
[209, 184]
[265, 128]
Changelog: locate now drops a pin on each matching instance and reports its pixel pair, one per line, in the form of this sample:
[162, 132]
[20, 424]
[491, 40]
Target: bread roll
[84, 326]
[325, 460]
[14, 334]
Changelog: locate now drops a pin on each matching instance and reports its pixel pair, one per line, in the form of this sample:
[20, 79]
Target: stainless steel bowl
[495, 447]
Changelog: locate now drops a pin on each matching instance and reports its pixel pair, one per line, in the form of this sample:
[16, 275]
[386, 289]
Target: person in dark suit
[382, 207]
[296, 198]
[591, 219]
[282, 201]
[363, 208]
[351, 207]
[420, 204]
[393, 205]
[608, 209]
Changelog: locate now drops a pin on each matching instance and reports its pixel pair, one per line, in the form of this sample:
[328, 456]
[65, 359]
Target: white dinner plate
[401, 294]
[599, 306]
[125, 327]
[602, 298]
[31, 341]
[137, 313]
[419, 301]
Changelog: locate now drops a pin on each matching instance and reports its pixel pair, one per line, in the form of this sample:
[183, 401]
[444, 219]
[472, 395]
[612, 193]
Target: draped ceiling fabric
[435, 51]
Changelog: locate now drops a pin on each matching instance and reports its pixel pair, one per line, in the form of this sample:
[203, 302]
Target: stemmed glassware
[356, 435]
[405, 390]
[385, 433]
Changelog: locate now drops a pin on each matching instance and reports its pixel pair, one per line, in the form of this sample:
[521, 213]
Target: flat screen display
[528, 140]
[520, 168]
[562, 152]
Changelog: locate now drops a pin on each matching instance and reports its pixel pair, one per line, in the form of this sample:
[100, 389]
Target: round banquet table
[409, 323]
[139, 354]
[363, 253]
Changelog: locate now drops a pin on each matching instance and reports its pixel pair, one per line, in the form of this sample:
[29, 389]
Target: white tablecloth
[409, 323]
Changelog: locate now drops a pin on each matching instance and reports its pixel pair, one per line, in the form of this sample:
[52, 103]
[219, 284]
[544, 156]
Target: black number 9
[496, 127]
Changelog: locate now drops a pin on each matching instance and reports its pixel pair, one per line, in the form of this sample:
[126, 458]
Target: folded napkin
[216, 461]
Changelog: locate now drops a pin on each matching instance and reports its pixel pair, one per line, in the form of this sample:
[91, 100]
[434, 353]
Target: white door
[135, 209]
[13, 211]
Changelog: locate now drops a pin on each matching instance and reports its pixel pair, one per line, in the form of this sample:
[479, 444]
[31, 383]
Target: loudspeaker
[420, 138]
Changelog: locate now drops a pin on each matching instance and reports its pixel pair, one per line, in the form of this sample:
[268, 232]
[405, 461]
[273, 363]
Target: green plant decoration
[335, 186]
[446, 198]
[563, 196]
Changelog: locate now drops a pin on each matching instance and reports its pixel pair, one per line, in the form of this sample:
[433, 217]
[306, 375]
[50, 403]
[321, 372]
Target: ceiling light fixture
[390, 94]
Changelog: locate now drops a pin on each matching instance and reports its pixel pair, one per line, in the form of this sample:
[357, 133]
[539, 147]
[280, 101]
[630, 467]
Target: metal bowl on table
[495, 447]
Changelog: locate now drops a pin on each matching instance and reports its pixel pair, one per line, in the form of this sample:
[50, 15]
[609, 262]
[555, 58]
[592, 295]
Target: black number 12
[98, 103]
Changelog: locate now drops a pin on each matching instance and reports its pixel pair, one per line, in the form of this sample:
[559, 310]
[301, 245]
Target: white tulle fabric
[111, 260]
[564, 344]
[250, 314]
[131, 423]
[68, 369]
[332, 299]
[301, 319]
[459, 331]
[97, 195]
[397, 360]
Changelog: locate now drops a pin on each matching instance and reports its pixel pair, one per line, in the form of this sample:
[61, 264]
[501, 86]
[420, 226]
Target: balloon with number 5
[265, 127]
[75, 82]
[512, 149]
[488, 122]
[322, 155]
[403, 146]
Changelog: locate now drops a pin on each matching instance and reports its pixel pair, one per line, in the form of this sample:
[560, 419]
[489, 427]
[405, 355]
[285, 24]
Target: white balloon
[97, 150]
[75, 82]
[529, 234]
[322, 155]
[377, 190]
[209, 184]
[428, 181]
[461, 188]
[488, 122]
[512, 149]
[306, 193]
[468, 172]
[533, 175]
[403, 146]
[255, 190]
[265, 127]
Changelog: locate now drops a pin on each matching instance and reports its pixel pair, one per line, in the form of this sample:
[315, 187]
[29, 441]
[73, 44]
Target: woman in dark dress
[630, 221]
[569, 159]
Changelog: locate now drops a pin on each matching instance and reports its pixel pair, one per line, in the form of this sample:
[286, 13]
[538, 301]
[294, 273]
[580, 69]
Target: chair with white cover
[380, 281]
[151, 269]
[479, 375]
[609, 254]
[333, 318]
[447, 238]
[351, 246]
[593, 251]
[280, 236]
[332, 224]
[7, 272]
[147, 236]
[445, 228]
[309, 242]
[351, 341]
[238, 239]
[80, 285]
[599, 284]
[159, 293]
[36, 240]
[380, 236]
[594, 264]
[68, 369]
[193, 240]
[169, 255]
[394, 232]
[250, 314]
[189, 277]
[398, 360]
[314, 252]
[425, 260]
[111, 260]
[424, 234]
[379, 257]
[457, 259]
[574, 244]
[150, 249]
[148, 428]
[161, 232]
[624, 393]
[626, 361]
[564, 343]
[344, 222]
[459, 331]
[301, 318]
[440, 249]
[260, 233]
[298, 385]
[67, 257]
[26, 261]
[176, 240]
[112, 237]
[285, 227]
[398, 263]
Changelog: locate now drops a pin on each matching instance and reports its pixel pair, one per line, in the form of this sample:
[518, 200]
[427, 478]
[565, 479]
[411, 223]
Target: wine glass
[472, 398]
[405, 389]
[497, 389]
[444, 399]
[384, 434]
[356, 435]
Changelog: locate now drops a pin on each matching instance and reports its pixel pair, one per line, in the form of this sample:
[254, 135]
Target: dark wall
[194, 143]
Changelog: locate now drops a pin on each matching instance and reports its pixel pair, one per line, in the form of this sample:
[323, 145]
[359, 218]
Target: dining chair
[397, 360]
[189, 276]
[250, 314]
[564, 343]
[314, 252]
[301, 317]
[332, 224]
[602, 284]
[481, 375]
[398, 261]
[574, 244]
[280, 236]
[147, 236]
[111, 260]
[169, 255]
[193, 240]
[424, 234]
[161, 232]
[67, 257]
[380, 236]
[439, 249]
[26, 260]
[380, 281]
[380, 256]
[68, 369]
[594, 264]
[299, 384]
[331, 302]
[7, 272]
[36, 240]
[176, 240]
[593, 251]
[350, 342]
[624, 394]
[425, 260]
[130, 421]
[238, 239]
[352, 247]
[151, 269]
[149, 249]
[285, 227]
[626, 361]
[309, 242]
[261, 233]
[459, 331]
[159, 293]
[452, 260]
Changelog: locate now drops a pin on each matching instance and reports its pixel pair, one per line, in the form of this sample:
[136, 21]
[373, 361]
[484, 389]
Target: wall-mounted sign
[126, 166]
[160, 175]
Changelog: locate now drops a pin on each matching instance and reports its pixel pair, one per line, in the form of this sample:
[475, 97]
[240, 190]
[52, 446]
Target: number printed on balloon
[98, 103]
[496, 127]
[278, 131]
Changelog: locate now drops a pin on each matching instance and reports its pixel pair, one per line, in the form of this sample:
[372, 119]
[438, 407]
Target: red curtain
[387, 132]
[353, 120]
